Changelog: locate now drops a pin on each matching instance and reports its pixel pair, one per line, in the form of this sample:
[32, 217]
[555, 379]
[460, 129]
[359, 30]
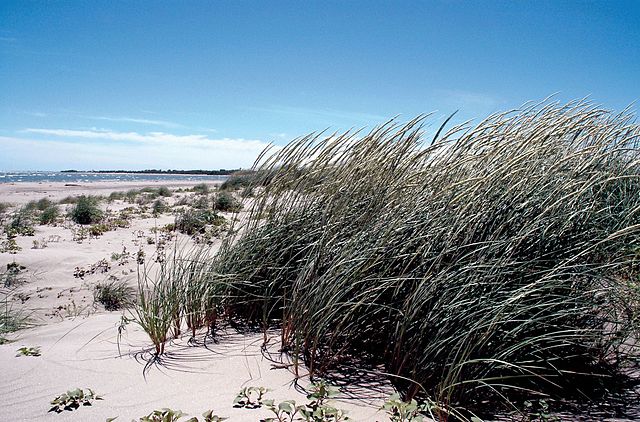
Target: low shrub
[201, 188]
[116, 196]
[86, 210]
[159, 207]
[192, 221]
[68, 200]
[240, 180]
[164, 192]
[226, 202]
[43, 204]
[49, 215]
[21, 223]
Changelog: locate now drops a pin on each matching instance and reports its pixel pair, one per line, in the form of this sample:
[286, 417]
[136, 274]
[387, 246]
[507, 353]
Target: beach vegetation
[49, 215]
[114, 294]
[4, 207]
[201, 189]
[170, 415]
[73, 399]
[484, 264]
[68, 200]
[11, 319]
[43, 203]
[13, 275]
[159, 207]
[28, 351]
[20, 223]
[226, 202]
[194, 221]
[240, 180]
[116, 196]
[86, 210]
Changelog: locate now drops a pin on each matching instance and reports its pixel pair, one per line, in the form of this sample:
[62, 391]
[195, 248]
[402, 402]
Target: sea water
[82, 177]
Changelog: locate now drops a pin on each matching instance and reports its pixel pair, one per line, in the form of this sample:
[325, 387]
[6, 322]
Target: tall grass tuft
[173, 295]
[481, 263]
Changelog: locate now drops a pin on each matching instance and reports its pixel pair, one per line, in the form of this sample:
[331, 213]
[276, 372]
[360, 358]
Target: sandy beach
[79, 341]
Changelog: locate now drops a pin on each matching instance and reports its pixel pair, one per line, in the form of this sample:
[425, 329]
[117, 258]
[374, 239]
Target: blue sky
[169, 84]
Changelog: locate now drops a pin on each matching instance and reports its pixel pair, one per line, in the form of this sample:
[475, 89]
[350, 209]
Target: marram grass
[482, 263]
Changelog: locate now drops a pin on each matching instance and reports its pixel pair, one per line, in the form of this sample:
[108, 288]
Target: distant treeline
[221, 172]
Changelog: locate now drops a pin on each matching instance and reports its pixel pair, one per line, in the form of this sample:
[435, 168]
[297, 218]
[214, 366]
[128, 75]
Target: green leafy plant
[29, 351]
[170, 415]
[13, 275]
[317, 410]
[404, 411]
[73, 399]
[538, 410]
[49, 215]
[250, 397]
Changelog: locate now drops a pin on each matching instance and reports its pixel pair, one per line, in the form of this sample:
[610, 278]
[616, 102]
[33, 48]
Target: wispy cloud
[154, 138]
[8, 39]
[36, 113]
[152, 122]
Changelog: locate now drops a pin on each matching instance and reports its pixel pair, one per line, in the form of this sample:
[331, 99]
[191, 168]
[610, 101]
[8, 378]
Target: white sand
[78, 339]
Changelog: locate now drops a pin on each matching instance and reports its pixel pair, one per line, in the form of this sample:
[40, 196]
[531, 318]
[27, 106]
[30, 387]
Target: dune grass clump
[114, 294]
[11, 319]
[479, 264]
[173, 295]
[86, 210]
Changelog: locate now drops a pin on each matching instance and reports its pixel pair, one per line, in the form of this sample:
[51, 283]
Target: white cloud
[162, 123]
[139, 151]
[156, 138]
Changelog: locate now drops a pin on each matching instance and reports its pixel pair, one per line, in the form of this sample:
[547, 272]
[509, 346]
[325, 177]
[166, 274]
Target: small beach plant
[73, 399]
[86, 210]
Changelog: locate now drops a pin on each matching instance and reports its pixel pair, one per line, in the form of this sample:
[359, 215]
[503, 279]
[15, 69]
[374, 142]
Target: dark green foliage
[226, 202]
[86, 210]
[116, 196]
[73, 399]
